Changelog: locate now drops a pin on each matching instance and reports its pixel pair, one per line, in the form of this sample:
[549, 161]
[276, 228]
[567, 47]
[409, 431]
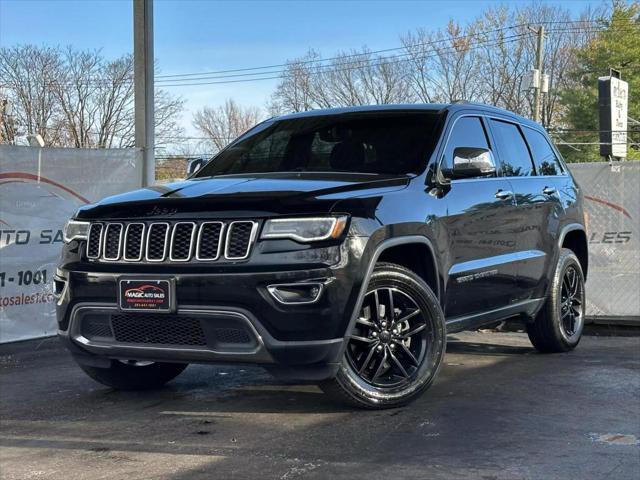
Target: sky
[199, 36]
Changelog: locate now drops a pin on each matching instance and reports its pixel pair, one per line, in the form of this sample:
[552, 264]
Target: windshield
[381, 143]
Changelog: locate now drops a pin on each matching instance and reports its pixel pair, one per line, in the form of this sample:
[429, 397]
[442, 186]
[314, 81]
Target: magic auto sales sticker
[146, 295]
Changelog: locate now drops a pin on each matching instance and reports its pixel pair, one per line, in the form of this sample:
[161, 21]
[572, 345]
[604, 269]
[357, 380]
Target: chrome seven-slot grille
[170, 242]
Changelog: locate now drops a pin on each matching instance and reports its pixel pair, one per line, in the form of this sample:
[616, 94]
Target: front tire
[559, 324]
[135, 375]
[396, 346]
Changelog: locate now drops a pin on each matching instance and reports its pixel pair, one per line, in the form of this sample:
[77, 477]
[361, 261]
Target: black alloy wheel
[396, 345]
[390, 339]
[571, 303]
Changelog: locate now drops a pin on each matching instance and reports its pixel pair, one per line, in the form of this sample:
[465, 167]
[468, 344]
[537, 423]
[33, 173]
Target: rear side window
[545, 158]
[516, 161]
[467, 132]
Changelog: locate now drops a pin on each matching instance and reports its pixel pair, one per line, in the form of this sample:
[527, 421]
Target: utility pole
[143, 86]
[537, 100]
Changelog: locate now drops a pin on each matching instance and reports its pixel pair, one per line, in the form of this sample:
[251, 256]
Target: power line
[319, 69]
[340, 57]
[329, 68]
[272, 74]
[350, 64]
[182, 80]
[344, 66]
[374, 52]
[208, 75]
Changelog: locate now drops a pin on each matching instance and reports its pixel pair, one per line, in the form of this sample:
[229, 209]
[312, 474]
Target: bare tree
[168, 109]
[115, 123]
[223, 124]
[75, 88]
[77, 98]
[26, 74]
[294, 93]
[445, 67]
[115, 99]
[505, 58]
[361, 78]
[357, 77]
[487, 61]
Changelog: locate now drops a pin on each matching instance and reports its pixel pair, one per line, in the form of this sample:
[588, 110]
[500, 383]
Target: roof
[366, 108]
[433, 107]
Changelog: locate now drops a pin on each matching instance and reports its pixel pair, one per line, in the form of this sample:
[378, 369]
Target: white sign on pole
[613, 102]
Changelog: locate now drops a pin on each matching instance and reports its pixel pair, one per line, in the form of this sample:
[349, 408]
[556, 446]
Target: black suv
[337, 247]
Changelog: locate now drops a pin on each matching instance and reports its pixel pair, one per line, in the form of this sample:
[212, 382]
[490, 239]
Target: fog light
[296, 293]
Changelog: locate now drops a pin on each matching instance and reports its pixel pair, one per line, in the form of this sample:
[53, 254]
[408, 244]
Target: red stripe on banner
[609, 204]
[31, 176]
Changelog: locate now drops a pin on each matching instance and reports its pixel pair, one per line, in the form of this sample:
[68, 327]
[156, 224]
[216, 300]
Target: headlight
[75, 230]
[311, 229]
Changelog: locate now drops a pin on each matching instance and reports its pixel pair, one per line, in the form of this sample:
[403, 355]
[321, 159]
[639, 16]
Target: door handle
[504, 194]
[548, 190]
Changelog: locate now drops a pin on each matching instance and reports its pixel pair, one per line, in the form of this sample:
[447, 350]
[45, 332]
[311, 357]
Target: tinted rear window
[516, 160]
[398, 143]
[545, 158]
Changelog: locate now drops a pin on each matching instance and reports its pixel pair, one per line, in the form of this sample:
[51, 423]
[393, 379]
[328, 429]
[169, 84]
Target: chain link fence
[612, 202]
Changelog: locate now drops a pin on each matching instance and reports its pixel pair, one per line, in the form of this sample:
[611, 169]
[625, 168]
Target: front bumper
[301, 341]
[309, 360]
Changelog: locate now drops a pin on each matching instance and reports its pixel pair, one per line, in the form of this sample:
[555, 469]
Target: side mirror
[194, 165]
[470, 162]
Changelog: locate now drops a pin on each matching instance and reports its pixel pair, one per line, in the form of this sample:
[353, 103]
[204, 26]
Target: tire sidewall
[567, 259]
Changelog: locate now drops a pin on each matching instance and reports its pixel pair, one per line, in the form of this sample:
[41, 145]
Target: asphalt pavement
[498, 410]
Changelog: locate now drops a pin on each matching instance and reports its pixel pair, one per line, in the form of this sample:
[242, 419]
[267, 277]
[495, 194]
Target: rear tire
[393, 355]
[126, 376]
[559, 324]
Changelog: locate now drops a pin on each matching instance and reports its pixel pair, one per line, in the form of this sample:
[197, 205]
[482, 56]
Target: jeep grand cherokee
[334, 246]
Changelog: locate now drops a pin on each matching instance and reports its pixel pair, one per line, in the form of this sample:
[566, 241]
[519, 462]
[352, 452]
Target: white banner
[612, 203]
[39, 190]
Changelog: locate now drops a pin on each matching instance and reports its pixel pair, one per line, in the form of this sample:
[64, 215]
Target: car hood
[243, 196]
